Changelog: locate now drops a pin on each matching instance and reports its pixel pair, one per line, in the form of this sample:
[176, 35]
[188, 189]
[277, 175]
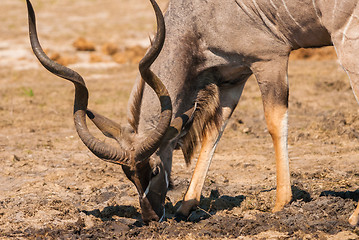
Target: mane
[207, 117]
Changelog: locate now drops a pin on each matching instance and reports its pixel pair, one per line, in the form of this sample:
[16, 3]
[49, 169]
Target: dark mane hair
[206, 118]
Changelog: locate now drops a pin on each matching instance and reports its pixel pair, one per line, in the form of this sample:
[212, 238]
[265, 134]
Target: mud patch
[319, 218]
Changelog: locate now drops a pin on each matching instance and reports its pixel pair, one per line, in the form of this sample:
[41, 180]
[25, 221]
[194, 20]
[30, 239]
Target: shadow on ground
[208, 207]
[353, 195]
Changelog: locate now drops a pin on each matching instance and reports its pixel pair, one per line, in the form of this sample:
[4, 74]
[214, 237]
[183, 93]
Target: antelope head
[137, 155]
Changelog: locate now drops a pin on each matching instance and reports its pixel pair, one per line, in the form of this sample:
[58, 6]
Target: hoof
[353, 220]
[278, 208]
[279, 205]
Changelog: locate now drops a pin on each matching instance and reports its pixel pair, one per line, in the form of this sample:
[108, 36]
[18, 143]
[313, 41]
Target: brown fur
[206, 118]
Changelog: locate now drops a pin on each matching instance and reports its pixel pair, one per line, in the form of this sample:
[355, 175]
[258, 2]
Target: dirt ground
[52, 187]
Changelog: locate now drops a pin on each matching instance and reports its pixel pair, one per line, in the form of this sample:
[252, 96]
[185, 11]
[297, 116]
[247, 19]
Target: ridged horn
[100, 149]
[153, 140]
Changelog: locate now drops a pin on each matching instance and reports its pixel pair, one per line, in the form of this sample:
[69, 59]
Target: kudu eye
[155, 171]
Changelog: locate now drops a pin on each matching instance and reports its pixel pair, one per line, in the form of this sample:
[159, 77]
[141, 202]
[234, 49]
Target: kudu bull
[210, 49]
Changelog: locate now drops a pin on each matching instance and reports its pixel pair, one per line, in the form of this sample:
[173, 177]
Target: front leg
[228, 101]
[272, 80]
[193, 194]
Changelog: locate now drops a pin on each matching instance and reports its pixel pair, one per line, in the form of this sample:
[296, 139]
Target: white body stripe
[316, 11]
[290, 15]
[272, 3]
[333, 13]
[346, 28]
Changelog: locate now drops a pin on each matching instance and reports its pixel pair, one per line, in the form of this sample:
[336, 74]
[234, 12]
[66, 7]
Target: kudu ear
[180, 125]
[108, 127]
[188, 124]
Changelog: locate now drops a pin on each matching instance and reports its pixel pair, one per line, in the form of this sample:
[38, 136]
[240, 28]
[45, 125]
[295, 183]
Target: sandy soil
[52, 187]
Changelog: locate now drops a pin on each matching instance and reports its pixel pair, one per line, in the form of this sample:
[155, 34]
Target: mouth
[145, 201]
[148, 213]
